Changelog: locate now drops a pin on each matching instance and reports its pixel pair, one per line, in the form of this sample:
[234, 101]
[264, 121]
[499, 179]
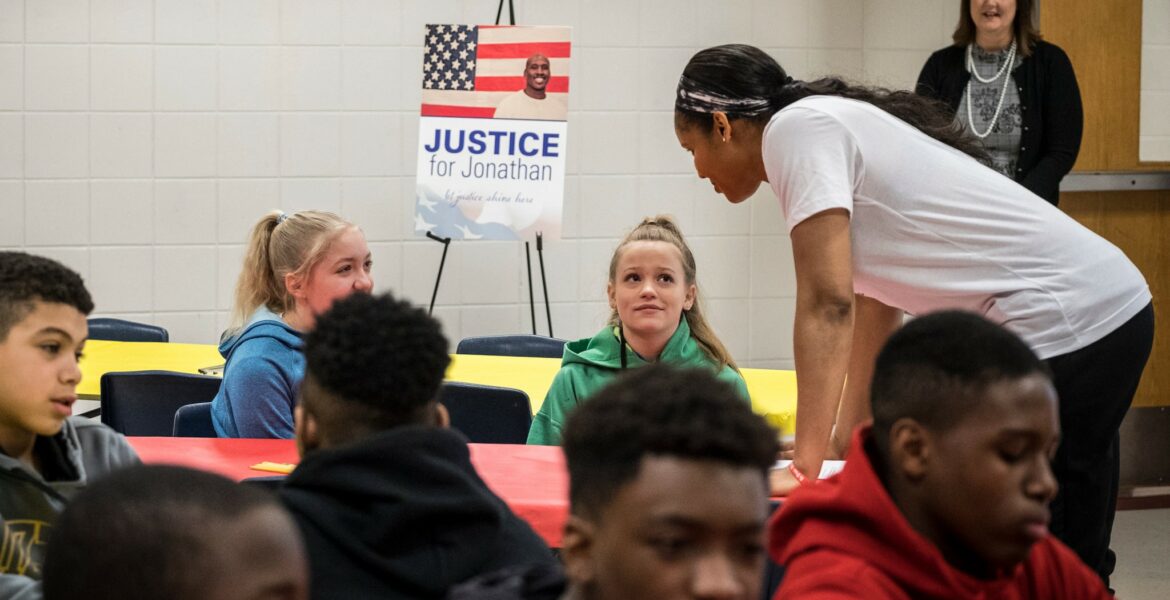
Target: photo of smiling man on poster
[533, 102]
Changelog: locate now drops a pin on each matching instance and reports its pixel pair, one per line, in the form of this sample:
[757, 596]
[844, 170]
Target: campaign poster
[492, 132]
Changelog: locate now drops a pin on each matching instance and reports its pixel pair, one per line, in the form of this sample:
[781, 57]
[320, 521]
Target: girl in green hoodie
[655, 318]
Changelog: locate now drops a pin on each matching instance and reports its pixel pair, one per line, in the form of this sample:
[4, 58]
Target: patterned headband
[692, 98]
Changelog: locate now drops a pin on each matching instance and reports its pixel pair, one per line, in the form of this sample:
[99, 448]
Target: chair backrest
[488, 414]
[119, 330]
[145, 402]
[194, 420]
[522, 344]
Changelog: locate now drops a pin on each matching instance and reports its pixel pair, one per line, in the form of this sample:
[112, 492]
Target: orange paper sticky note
[274, 467]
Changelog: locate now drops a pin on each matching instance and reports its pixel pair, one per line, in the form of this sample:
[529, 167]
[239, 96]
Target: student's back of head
[372, 363]
[386, 496]
[169, 532]
[668, 488]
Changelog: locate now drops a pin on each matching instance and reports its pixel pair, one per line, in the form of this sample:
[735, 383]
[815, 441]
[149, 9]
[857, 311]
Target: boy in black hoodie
[385, 494]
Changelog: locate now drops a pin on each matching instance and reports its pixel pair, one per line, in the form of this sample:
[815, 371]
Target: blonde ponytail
[663, 228]
[281, 244]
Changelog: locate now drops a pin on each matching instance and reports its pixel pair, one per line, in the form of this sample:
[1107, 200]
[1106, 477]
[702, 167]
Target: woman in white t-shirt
[890, 211]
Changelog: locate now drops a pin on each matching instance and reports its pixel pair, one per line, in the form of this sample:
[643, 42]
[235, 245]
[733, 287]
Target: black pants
[1096, 385]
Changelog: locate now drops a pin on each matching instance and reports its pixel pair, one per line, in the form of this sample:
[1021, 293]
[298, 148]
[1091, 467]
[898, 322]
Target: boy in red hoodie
[946, 494]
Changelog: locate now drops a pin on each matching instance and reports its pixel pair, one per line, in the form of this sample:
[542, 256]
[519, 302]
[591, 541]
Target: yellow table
[773, 392]
[103, 356]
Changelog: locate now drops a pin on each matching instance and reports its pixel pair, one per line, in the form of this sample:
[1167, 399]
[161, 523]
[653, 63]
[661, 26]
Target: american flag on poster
[469, 69]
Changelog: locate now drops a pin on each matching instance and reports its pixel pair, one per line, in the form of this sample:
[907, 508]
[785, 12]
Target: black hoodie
[403, 514]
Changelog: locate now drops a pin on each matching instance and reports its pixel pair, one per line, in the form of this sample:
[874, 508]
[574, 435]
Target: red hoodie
[845, 538]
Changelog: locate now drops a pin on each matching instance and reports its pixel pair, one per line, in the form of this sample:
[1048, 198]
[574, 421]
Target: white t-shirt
[522, 106]
[931, 228]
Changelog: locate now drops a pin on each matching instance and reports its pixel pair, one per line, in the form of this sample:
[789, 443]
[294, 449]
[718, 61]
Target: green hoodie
[591, 363]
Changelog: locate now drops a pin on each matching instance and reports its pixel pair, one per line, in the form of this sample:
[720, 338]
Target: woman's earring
[723, 138]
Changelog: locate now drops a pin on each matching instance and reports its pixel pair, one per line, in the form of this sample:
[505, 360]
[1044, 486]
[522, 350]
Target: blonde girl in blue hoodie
[656, 317]
[296, 265]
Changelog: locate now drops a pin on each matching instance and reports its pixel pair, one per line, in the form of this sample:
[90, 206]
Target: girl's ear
[722, 125]
[295, 285]
[689, 302]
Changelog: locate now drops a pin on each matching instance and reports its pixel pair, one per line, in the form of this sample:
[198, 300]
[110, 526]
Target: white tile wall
[122, 78]
[12, 25]
[141, 139]
[56, 77]
[1154, 136]
[121, 21]
[12, 73]
[56, 145]
[120, 145]
[249, 145]
[57, 21]
[12, 207]
[11, 145]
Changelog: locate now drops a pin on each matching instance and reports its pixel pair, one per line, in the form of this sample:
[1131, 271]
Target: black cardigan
[1050, 105]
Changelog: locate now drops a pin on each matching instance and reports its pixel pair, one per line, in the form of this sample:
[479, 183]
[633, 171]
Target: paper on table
[273, 467]
[829, 468]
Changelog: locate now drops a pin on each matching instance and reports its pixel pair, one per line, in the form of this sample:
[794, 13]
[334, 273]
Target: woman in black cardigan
[1028, 112]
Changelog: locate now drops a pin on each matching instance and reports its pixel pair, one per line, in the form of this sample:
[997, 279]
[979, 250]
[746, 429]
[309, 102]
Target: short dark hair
[378, 361]
[144, 532]
[659, 410]
[1023, 28]
[935, 368]
[26, 279]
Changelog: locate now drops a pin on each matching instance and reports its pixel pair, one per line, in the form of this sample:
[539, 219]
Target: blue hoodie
[264, 368]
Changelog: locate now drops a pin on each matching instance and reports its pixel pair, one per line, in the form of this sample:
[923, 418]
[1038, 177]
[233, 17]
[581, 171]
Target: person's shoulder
[1058, 569]
[828, 574]
[947, 54]
[1050, 54]
[101, 447]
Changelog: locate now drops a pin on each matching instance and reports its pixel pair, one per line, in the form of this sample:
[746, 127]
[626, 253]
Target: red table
[531, 479]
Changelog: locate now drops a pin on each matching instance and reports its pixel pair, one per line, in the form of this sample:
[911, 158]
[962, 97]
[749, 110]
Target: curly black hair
[382, 357]
[659, 410]
[26, 279]
[158, 538]
[934, 369]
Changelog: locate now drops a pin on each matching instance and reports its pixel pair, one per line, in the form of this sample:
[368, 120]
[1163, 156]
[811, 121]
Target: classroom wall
[140, 139]
[1155, 119]
[1111, 76]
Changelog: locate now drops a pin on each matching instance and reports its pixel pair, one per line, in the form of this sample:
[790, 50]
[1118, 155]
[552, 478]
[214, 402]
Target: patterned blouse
[1003, 143]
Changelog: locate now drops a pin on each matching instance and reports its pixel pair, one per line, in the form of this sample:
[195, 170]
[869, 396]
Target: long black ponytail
[746, 83]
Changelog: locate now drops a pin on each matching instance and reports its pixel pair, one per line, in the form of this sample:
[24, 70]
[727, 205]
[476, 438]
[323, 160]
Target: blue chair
[194, 420]
[522, 344]
[145, 402]
[488, 414]
[119, 330]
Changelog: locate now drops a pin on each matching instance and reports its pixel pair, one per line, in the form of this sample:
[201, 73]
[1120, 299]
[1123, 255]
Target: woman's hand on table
[781, 482]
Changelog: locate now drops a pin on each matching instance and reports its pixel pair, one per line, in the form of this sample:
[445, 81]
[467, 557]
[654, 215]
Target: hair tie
[281, 218]
[788, 80]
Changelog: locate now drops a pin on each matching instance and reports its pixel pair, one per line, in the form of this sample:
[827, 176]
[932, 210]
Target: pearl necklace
[1011, 58]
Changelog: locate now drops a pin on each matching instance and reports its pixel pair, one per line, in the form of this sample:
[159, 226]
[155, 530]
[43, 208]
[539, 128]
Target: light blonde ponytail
[281, 244]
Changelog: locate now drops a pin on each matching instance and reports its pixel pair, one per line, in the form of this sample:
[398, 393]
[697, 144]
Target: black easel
[527, 252]
[446, 242]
